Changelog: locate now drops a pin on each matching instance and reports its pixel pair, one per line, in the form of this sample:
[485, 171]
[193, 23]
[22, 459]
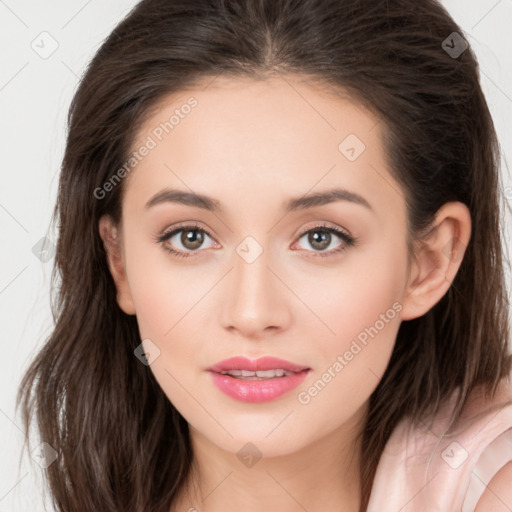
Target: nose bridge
[251, 268]
[256, 300]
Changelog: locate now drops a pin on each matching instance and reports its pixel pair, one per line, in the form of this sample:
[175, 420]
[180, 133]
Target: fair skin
[252, 146]
[497, 496]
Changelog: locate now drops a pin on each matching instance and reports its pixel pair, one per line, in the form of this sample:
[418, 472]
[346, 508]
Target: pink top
[430, 470]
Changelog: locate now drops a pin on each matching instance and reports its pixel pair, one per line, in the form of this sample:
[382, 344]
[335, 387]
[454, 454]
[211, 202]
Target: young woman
[280, 270]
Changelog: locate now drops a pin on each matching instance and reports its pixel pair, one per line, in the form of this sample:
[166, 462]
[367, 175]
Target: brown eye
[319, 239]
[185, 241]
[192, 238]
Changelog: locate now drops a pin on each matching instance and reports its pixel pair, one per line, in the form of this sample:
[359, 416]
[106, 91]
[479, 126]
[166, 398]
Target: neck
[322, 475]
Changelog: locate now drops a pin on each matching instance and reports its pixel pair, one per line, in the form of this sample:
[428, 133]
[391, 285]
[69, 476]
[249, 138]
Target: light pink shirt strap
[496, 455]
[426, 469]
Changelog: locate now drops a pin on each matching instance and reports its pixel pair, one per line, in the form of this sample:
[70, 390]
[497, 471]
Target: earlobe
[111, 241]
[437, 260]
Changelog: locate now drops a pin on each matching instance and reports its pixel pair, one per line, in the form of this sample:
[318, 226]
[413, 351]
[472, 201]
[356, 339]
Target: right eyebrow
[186, 198]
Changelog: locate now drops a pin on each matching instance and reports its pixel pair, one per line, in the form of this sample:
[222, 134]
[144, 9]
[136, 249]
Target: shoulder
[497, 496]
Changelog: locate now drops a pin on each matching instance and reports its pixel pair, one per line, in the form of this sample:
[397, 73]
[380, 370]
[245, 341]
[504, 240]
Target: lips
[253, 365]
[257, 389]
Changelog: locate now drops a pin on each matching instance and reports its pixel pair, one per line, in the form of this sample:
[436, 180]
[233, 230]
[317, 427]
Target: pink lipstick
[258, 380]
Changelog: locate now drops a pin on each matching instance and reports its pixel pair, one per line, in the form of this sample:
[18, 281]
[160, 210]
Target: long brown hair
[122, 446]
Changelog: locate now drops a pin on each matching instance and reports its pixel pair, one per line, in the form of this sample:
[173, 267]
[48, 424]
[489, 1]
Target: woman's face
[259, 270]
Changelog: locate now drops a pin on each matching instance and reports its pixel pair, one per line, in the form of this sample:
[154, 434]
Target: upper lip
[263, 363]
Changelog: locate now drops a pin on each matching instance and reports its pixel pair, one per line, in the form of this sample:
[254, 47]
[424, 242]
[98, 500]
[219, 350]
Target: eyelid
[326, 225]
[181, 226]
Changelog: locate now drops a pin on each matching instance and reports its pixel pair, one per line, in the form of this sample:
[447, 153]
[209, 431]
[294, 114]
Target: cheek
[345, 307]
[365, 327]
[364, 315]
[164, 293]
[168, 300]
[166, 307]
[357, 317]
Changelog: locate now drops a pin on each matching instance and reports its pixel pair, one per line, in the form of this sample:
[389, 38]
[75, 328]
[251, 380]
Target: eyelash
[349, 241]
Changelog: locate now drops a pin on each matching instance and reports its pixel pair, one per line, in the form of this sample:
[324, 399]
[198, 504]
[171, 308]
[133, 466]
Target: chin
[256, 442]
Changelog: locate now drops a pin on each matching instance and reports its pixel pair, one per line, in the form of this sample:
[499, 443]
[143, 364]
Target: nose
[256, 303]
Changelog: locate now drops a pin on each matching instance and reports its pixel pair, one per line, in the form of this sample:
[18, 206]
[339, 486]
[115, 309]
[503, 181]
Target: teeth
[265, 374]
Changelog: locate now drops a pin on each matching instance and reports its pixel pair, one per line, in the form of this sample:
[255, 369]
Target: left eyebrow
[326, 197]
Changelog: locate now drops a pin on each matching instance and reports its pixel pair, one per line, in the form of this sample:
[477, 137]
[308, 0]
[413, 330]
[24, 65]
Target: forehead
[276, 136]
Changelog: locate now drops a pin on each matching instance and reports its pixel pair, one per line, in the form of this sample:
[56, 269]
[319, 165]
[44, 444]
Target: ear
[437, 260]
[115, 259]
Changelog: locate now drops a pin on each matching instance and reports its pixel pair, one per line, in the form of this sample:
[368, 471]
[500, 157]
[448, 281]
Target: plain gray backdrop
[45, 47]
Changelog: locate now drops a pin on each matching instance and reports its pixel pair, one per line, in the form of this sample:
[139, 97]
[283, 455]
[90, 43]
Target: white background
[35, 94]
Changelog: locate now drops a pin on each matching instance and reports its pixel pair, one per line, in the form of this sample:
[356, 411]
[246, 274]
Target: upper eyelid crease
[294, 204]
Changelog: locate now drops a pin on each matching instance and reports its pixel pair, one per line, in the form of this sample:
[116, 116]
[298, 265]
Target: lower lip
[257, 390]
